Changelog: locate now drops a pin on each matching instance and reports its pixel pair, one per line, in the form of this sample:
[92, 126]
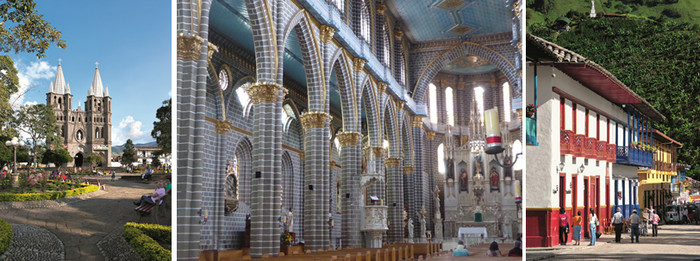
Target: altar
[463, 231]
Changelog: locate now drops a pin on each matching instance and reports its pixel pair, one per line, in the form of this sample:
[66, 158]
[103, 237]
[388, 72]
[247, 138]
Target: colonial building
[579, 140]
[82, 131]
[656, 188]
[344, 123]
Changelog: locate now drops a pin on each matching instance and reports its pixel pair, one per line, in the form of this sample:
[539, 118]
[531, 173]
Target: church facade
[325, 120]
[87, 131]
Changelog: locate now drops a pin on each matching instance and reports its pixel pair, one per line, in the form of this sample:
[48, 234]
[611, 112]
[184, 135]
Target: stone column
[266, 195]
[417, 172]
[394, 181]
[316, 194]
[351, 156]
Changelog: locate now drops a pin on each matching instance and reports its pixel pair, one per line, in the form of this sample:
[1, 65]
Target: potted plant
[531, 110]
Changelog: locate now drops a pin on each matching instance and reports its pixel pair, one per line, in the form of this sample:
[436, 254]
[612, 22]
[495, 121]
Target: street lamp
[15, 142]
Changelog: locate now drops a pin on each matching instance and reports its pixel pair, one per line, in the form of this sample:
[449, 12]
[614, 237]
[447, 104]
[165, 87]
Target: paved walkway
[675, 242]
[83, 221]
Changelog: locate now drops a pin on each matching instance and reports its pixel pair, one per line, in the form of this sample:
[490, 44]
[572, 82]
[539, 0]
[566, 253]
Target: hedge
[47, 195]
[142, 237]
[5, 236]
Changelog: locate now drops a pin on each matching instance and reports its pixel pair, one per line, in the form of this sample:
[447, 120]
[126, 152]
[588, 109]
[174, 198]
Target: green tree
[58, 157]
[39, 122]
[155, 161]
[94, 159]
[161, 128]
[9, 84]
[23, 30]
[129, 154]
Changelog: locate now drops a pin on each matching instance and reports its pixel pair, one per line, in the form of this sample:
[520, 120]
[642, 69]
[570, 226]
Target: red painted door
[562, 191]
[574, 195]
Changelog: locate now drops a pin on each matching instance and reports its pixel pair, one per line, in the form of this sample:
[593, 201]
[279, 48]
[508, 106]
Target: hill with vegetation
[548, 11]
[659, 60]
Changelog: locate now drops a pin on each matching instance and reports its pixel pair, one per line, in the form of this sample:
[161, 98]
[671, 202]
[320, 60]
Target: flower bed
[47, 195]
[151, 241]
[5, 236]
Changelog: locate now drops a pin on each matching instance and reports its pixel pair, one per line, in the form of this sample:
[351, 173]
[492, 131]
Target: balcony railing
[566, 141]
[611, 155]
[578, 145]
[601, 151]
[633, 156]
[589, 148]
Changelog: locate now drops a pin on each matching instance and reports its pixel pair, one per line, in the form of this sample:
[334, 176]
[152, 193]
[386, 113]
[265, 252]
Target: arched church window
[386, 48]
[97, 133]
[223, 78]
[506, 102]
[365, 21]
[449, 106]
[231, 187]
[336, 142]
[340, 5]
[287, 116]
[479, 97]
[99, 106]
[243, 98]
[517, 148]
[441, 158]
[59, 103]
[432, 103]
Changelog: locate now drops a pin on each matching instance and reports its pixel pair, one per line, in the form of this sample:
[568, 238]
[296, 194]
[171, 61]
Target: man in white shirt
[153, 197]
[617, 221]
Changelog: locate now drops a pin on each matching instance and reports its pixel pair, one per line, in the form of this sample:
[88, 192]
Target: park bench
[95, 182]
[145, 209]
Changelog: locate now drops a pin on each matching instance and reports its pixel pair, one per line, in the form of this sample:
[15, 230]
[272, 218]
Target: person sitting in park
[493, 250]
[153, 197]
[461, 250]
[517, 250]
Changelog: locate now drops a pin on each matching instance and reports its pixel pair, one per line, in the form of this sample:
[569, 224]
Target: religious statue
[422, 224]
[494, 179]
[410, 230]
[290, 220]
[231, 188]
[464, 181]
[437, 201]
[478, 188]
[450, 169]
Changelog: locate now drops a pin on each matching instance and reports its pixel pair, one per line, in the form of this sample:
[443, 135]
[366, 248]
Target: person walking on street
[577, 228]
[563, 227]
[645, 222]
[617, 221]
[634, 221]
[592, 224]
[655, 224]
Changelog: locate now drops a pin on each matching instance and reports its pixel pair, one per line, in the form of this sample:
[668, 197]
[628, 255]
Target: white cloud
[128, 128]
[28, 77]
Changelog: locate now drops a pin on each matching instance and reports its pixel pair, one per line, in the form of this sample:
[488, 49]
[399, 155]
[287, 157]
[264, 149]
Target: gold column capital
[381, 87]
[222, 126]
[418, 120]
[189, 47]
[358, 64]
[327, 33]
[381, 9]
[407, 170]
[430, 134]
[392, 162]
[377, 151]
[314, 119]
[398, 34]
[263, 92]
[211, 50]
[349, 138]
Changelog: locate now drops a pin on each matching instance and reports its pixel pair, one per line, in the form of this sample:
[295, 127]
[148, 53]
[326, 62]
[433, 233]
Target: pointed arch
[391, 127]
[313, 67]
[348, 100]
[244, 158]
[372, 115]
[288, 182]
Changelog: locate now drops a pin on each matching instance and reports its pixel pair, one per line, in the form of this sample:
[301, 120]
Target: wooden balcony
[566, 141]
[611, 155]
[601, 150]
[633, 156]
[577, 146]
[589, 148]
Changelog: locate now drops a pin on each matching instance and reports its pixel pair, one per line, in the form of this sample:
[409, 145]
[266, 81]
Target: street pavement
[674, 242]
[81, 222]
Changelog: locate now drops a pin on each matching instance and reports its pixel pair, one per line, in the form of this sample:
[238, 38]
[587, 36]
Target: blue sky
[130, 39]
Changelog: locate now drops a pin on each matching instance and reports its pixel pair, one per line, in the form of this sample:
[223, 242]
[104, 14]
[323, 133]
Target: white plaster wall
[541, 160]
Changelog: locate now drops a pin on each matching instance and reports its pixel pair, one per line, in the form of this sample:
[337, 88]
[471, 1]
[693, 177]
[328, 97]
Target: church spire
[107, 91]
[96, 86]
[593, 15]
[59, 83]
